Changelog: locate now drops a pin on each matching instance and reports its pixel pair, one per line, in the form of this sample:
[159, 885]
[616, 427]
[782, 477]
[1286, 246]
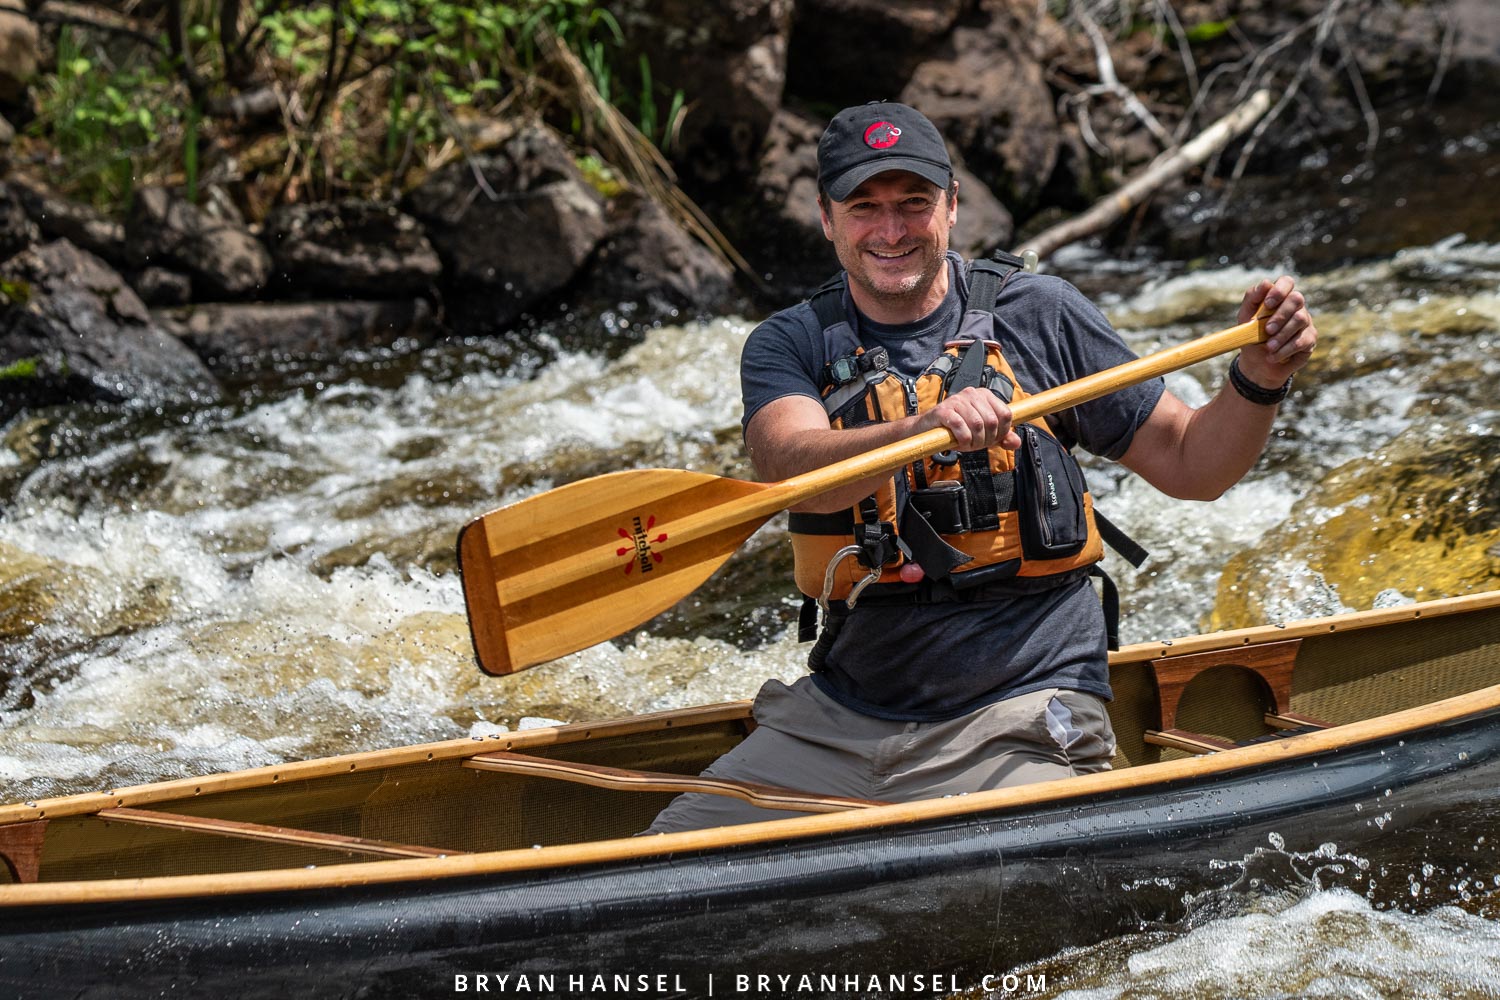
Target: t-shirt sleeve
[783, 356]
[1088, 344]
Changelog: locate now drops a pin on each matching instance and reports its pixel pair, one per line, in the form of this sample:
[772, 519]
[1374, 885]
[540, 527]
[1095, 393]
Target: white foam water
[1328, 944]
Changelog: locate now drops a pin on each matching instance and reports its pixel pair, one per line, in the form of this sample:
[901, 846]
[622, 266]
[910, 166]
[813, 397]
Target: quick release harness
[979, 523]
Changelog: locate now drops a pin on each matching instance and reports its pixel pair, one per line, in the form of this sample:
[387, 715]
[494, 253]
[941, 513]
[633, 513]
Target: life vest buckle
[833, 564]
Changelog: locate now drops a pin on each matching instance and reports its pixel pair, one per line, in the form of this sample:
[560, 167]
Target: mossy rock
[1418, 516]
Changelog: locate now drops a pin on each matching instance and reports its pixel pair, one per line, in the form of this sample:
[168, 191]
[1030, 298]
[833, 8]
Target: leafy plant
[366, 88]
[103, 119]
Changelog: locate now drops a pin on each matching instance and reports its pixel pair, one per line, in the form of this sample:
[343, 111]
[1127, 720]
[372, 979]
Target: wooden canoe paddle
[565, 569]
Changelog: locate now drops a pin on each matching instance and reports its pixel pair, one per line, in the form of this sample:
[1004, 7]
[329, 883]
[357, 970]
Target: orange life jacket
[1023, 519]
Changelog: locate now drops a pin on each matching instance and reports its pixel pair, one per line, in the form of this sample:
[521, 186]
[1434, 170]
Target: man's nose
[891, 226]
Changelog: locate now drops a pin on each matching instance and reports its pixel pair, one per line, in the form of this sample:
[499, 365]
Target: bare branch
[1113, 207]
[1357, 81]
[1110, 83]
[79, 15]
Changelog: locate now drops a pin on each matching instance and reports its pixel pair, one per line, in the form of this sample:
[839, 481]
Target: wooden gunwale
[631, 848]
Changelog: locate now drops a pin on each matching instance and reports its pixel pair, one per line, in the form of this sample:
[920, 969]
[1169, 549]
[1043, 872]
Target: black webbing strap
[1129, 549]
[828, 302]
[1109, 596]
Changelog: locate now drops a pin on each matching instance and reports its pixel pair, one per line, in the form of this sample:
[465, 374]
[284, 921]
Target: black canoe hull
[962, 896]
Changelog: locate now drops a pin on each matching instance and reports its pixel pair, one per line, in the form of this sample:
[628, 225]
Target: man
[963, 646]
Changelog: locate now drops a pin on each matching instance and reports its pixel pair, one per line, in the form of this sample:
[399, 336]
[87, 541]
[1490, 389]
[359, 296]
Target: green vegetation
[321, 99]
[24, 368]
[14, 293]
[1208, 31]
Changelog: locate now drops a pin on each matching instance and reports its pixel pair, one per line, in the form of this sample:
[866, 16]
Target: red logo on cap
[882, 135]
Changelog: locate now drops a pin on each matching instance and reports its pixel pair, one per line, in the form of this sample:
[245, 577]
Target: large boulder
[983, 88]
[729, 58]
[17, 231]
[352, 247]
[19, 50]
[513, 227]
[79, 224]
[229, 334]
[648, 260]
[72, 330]
[223, 257]
[847, 52]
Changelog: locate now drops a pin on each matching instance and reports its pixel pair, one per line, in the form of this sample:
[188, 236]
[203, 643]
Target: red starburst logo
[639, 551]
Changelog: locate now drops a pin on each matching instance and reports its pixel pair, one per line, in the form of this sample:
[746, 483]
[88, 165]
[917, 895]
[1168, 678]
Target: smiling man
[962, 645]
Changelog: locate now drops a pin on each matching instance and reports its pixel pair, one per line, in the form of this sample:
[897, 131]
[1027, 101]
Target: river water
[273, 579]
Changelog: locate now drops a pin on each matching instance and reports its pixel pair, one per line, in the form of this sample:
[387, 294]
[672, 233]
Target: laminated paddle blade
[563, 570]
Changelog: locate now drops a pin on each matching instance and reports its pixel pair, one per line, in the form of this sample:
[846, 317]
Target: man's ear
[953, 204]
[827, 222]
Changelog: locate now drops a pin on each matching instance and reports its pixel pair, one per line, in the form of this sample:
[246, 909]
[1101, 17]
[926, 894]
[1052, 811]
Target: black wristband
[1255, 393]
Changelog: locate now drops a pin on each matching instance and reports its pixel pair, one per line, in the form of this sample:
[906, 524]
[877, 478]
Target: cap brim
[841, 187]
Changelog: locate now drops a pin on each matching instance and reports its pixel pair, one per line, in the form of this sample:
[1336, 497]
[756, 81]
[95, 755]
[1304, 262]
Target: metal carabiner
[833, 565]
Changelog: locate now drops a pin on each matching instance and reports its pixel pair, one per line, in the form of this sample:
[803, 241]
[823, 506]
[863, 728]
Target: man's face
[891, 234]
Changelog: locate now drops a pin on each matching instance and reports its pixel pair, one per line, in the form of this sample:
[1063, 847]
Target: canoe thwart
[1181, 739]
[1292, 720]
[1272, 662]
[21, 849]
[276, 834]
[626, 779]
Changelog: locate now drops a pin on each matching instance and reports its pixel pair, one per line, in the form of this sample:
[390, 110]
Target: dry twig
[1172, 164]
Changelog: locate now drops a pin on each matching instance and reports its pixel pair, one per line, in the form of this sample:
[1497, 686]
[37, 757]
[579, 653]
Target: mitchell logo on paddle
[643, 556]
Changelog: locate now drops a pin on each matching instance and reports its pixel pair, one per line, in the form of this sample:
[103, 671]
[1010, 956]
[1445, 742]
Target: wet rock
[17, 231]
[159, 286]
[226, 334]
[19, 50]
[983, 224]
[72, 330]
[223, 257]
[983, 89]
[28, 592]
[729, 58]
[776, 225]
[850, 51]
[648, 259]
[79, 224]
[1417, 516]
[518, 237]
[352, 247]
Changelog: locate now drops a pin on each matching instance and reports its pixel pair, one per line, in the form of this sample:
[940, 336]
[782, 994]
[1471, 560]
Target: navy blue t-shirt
[930, 662]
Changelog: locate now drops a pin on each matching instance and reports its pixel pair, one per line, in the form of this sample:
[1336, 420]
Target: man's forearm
[1222, 441]
[796, 452]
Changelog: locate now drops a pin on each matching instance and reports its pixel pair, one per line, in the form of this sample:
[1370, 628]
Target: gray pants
[807, 741]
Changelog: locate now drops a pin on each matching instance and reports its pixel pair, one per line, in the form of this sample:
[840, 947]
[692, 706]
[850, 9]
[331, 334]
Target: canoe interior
[1341, 675]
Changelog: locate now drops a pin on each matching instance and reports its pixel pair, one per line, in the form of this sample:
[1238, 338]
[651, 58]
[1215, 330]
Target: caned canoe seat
[626, 779]
[1271, 662]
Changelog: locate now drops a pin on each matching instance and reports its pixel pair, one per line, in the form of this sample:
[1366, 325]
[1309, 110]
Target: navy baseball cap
[869, 139]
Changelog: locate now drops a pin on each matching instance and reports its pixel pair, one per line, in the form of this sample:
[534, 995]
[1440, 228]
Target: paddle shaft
[562, 570]
[778, 496]
[773, 498]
